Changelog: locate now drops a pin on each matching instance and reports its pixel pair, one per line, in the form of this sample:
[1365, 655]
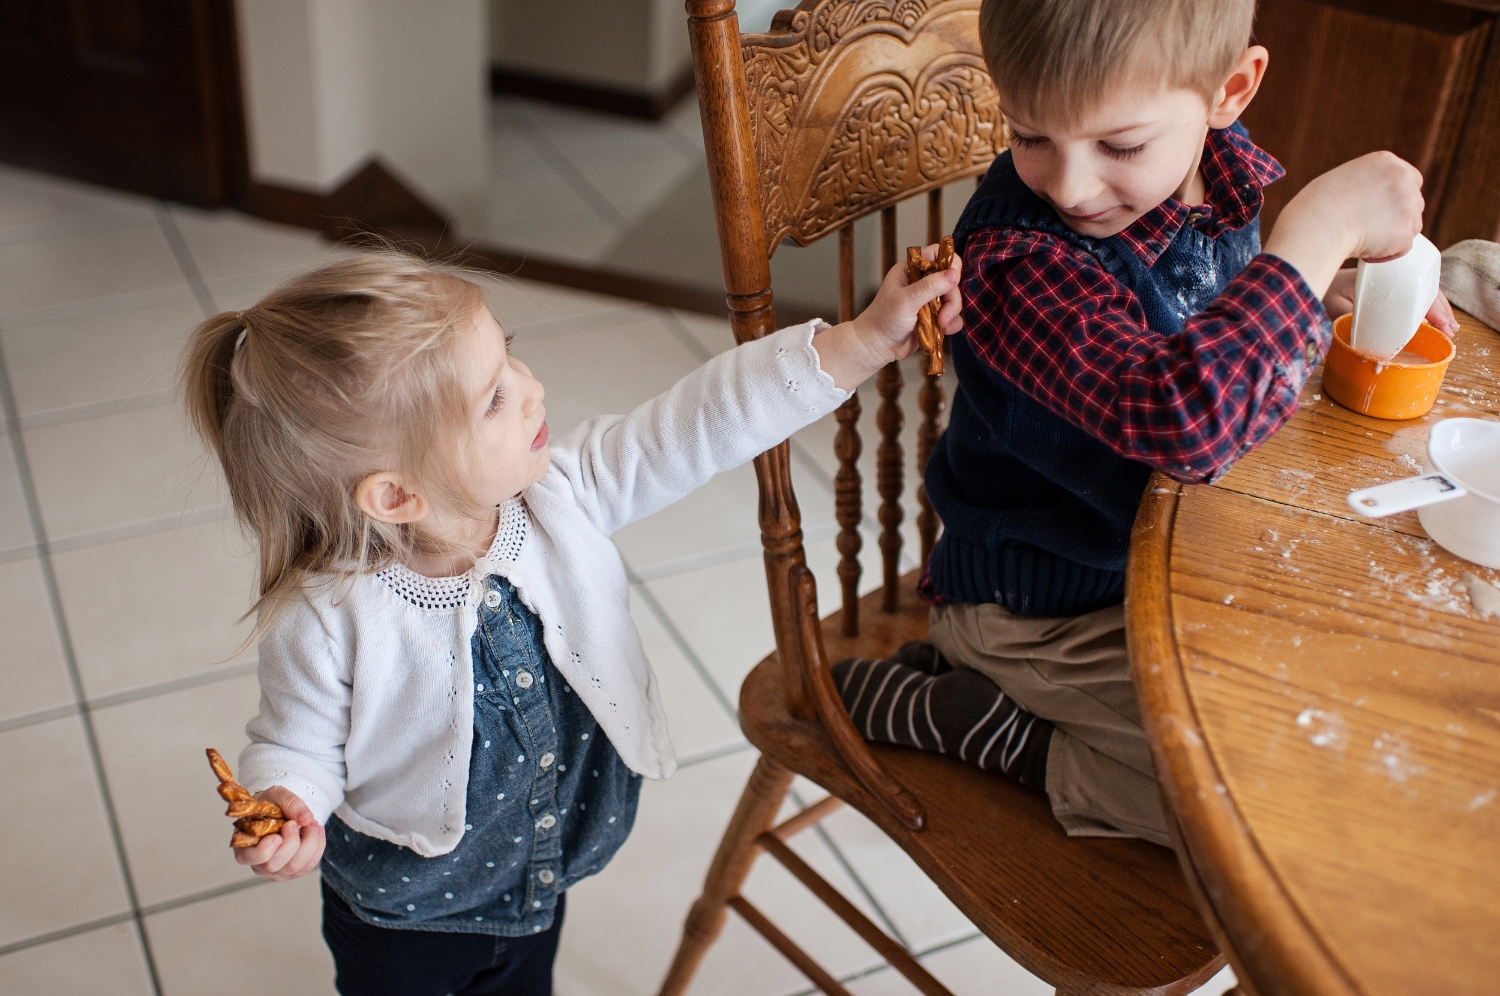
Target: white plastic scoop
[1392, 298]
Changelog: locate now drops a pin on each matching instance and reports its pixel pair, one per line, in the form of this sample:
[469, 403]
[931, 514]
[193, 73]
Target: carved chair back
[843, 109]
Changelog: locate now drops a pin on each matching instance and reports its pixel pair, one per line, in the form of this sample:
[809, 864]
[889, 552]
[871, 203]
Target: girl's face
[508, 451]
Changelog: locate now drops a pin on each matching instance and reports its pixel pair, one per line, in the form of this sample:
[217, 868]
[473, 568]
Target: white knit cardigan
[367, 690]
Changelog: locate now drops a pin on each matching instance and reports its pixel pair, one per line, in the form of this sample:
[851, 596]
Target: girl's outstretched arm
[739, 404]
[854, 351]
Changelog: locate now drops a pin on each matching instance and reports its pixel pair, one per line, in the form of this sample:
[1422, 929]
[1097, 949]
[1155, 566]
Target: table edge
[1269, 936]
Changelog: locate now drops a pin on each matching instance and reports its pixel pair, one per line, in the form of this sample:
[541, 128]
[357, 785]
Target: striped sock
[917, 699]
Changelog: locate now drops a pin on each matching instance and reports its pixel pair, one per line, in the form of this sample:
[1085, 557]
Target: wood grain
[1324, 707]
[1397, 75]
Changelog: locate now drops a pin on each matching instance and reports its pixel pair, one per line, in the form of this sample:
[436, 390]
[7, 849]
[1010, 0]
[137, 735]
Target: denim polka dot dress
[549, 801]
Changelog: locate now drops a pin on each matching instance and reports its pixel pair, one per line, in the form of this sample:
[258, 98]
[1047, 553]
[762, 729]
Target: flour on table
[1324, 729]
[1484, 596]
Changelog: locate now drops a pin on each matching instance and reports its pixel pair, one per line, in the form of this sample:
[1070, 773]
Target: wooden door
[137, 94]
[1349, 77]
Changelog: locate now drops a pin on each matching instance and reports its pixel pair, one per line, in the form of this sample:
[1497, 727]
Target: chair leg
[755, 814]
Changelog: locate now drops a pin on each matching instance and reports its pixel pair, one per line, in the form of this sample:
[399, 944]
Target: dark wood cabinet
[138, 94]
[1418, 77]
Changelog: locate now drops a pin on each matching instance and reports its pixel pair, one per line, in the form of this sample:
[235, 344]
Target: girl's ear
[385, 497]
[1239, 89]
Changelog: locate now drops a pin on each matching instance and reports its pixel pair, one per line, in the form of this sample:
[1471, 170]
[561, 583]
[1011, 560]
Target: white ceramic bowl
[1466, 450]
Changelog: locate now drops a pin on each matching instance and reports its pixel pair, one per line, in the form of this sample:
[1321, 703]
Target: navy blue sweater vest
[1037, 512]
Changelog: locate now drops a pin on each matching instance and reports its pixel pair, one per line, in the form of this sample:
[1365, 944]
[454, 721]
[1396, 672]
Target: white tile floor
[122, 579]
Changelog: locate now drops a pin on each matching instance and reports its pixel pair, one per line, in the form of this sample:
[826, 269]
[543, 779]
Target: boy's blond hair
[334, 375]
[1054, 59]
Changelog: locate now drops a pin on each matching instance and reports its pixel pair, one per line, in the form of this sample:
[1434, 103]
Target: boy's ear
[1239, 89]
[385, 497]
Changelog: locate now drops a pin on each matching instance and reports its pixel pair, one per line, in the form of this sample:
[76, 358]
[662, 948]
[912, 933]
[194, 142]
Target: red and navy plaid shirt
[1052, 321]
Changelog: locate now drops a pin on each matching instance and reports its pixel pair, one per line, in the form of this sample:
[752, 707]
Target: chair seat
[1074, 911]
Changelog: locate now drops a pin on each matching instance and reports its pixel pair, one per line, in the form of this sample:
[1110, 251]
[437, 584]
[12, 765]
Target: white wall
[331, 83]
[638, 46]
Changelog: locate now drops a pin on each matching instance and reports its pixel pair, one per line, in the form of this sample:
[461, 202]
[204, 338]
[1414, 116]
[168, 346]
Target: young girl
[455, 706]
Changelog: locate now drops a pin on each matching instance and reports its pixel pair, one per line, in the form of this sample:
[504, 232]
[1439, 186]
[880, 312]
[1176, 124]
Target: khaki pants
[1075, 673]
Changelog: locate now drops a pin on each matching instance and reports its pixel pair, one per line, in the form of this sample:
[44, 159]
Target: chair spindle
[890, 472]
[847, 446]
[930, 402]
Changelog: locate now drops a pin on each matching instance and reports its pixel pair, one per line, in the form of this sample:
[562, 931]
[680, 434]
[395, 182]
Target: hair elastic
[244, 329]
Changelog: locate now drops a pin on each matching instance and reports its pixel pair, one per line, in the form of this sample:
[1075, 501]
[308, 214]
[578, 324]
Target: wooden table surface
[1324, 703]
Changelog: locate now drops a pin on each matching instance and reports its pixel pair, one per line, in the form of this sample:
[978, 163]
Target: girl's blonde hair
[334, 375]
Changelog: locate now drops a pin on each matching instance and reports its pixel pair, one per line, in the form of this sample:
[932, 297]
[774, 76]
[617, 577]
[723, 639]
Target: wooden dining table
[1323, 701]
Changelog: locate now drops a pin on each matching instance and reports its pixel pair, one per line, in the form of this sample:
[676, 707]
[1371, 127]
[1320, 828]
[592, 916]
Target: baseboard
[372, 199]
[490, 258]
[374, 206]
[629, 103]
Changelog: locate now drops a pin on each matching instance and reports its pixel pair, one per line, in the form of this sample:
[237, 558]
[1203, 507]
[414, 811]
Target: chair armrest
[817, 680]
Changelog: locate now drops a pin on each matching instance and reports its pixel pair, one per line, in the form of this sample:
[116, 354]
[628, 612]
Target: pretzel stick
[256, 818]
[928, 333]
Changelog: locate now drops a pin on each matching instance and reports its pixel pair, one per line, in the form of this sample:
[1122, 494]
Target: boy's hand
[292, 852]
[1340, 301]
[852, 352]
[1368, 208]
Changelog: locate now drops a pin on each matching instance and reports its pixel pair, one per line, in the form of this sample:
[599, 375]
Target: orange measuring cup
[1394, 389]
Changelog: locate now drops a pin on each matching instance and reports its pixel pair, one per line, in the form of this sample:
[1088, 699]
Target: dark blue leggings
[381, 961]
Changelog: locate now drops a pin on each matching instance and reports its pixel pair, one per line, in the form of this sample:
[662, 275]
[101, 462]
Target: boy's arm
[1054, 323]
[297, 739]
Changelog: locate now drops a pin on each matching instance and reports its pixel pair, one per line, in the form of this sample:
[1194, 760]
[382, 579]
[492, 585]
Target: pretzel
[254, 818]
[928, 333]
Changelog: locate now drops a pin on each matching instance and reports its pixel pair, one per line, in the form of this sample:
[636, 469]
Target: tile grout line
[210, 677]
[54, 599]
[854, 876]
[185, 261]
[682, 646]
[570, 174]
[882, 966]
[152, 910]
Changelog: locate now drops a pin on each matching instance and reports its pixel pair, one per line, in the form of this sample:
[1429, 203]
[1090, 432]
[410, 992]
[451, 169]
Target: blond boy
[1120, 317]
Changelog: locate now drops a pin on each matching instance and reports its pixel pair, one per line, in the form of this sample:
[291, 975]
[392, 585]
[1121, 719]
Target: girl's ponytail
[207, 381]
[333, 375]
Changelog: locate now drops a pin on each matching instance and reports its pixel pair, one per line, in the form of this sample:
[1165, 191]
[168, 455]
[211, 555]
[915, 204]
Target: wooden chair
[843, 109]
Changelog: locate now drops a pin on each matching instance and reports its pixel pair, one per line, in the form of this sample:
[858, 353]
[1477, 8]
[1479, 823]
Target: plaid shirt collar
[1234, 171]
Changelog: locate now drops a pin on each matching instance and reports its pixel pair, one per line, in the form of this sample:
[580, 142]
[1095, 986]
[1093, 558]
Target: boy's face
[1133, 150]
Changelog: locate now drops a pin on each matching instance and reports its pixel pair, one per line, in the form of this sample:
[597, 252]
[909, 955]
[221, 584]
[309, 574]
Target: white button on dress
[547, 822]
[524, 679]
[545, 876]
[547, 760]
[492, 598]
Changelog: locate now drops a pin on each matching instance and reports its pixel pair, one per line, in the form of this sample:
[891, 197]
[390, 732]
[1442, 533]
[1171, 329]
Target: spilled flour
[1324, 729]
[1484, 596]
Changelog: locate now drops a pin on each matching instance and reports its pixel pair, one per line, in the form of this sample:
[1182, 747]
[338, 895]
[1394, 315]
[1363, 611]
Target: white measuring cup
[1392, 298]
[1457, 497]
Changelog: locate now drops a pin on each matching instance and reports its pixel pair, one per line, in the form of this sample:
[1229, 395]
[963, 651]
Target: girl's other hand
[292, 852]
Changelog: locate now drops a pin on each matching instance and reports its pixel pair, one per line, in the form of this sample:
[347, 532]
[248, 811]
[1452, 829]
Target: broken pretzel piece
[259, 828]
[928, 333]
[255, 819]
[252, 808]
